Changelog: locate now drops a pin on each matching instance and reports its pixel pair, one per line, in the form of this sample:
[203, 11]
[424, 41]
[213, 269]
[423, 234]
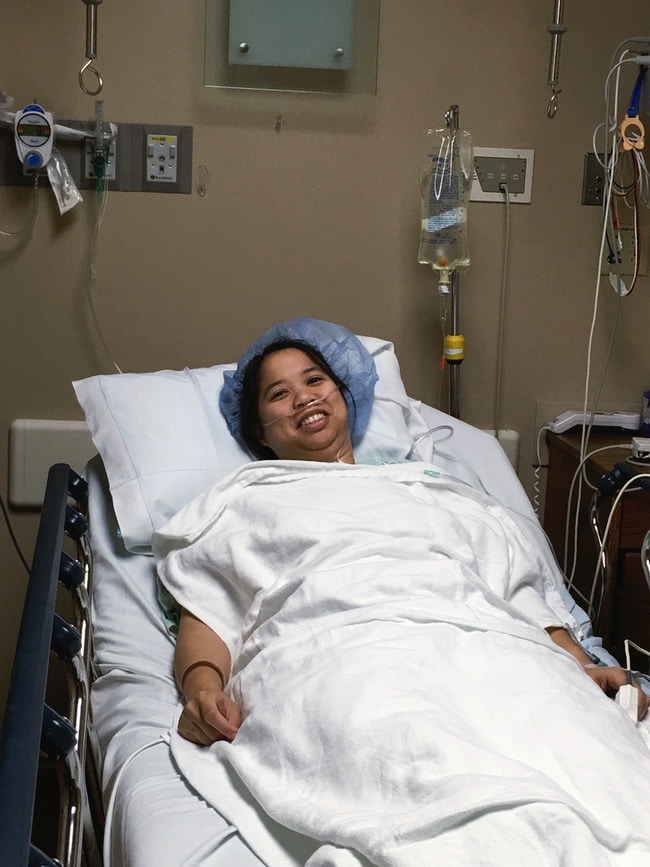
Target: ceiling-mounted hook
[88, 67]
[91, 49]
[556, 29]
[551, 108]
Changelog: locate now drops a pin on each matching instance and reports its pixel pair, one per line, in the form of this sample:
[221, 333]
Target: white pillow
[163, 439]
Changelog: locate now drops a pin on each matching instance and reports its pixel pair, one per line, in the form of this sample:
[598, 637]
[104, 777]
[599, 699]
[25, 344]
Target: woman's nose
[303, 397]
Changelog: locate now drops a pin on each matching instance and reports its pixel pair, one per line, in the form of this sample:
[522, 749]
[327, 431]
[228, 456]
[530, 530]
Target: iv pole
[453, 348]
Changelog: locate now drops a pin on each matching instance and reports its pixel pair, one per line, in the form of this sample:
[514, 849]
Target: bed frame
[37, 741]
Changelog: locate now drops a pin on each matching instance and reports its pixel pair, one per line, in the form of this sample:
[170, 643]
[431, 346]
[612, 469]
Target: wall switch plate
[496, 166]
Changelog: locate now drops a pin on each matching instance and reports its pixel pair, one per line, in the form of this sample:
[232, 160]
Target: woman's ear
[259, 435]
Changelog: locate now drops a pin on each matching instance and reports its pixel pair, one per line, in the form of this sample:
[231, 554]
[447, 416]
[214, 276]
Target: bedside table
[625, 611]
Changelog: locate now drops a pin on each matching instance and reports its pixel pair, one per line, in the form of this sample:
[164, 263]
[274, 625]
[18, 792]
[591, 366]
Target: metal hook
[91, 48]
[557, 29]
[551, 108]
[88, 67]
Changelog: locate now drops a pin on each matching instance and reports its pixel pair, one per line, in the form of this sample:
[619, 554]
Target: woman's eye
[315, 379]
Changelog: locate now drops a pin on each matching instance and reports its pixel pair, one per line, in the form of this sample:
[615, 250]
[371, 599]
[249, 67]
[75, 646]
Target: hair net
[341, 349]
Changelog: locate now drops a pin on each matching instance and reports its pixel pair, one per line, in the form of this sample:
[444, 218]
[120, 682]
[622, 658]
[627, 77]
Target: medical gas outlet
[162, 155]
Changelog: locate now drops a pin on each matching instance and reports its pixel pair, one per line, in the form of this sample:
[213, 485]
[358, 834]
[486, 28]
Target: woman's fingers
[209, 717]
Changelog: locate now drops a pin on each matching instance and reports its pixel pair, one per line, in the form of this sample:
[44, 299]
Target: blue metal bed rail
[31, 729]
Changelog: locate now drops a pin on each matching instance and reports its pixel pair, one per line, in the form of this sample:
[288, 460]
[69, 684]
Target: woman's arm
[202, 668]
[609, 678]
[562, 638]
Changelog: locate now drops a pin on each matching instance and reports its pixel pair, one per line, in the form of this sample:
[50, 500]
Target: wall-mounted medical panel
[310, 46]
[151, 158]
[314, 34]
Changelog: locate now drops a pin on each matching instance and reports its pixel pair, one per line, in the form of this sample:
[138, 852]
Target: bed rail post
[22, 728]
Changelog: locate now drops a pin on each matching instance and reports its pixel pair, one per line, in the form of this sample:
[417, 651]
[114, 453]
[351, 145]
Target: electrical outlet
[626, 255]
[494, 167]
[593, 180]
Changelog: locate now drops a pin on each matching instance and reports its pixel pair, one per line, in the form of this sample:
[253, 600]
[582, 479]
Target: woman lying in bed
[292, 408]
[393, 691]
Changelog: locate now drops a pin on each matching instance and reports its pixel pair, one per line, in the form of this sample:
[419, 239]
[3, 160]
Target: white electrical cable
[579, 473]
[502, 308]
[536, 468]
[609, 166]
[617, 499]
[611, 155]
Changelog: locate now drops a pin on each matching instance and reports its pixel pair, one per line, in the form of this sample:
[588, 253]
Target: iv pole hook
[91, 49]
[556, 29]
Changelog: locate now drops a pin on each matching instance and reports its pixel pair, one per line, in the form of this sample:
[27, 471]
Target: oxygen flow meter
[34, 134]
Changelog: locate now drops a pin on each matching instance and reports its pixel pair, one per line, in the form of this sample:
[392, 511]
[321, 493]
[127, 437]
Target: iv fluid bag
[445, 181]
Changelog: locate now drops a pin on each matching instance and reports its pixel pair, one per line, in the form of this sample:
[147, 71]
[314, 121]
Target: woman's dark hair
[250, 419]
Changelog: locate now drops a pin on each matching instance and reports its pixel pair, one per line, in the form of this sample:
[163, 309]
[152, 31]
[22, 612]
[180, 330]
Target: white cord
[579, 472]
[628, 484]
[29, 225]
[609, 165]
[502, 307]
[629, 644]
[536, 469]
[92, 272]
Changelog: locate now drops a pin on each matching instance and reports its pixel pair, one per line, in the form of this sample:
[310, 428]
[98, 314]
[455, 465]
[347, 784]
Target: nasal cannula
[302, 407]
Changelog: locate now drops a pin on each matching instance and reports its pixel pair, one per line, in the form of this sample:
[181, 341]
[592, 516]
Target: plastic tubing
[302, 408]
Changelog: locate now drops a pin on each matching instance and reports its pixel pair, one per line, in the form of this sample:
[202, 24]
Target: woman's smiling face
[292, 424]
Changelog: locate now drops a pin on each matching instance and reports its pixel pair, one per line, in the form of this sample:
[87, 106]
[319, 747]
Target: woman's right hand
[209, 716]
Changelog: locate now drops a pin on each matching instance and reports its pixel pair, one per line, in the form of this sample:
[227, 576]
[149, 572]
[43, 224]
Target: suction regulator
[34, 134]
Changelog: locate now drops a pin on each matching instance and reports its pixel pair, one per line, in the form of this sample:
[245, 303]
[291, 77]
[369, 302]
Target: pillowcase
[163, 440]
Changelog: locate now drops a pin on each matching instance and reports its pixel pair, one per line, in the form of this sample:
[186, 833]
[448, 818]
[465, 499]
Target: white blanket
[402, 702]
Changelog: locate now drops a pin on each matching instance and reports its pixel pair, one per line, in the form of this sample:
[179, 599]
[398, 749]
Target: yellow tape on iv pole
[454, 348]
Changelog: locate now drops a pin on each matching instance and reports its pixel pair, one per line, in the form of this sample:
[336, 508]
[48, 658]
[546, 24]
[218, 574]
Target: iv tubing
[452, 118]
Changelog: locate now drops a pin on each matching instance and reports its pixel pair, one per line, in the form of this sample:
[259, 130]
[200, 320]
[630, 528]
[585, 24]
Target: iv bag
[445, 181]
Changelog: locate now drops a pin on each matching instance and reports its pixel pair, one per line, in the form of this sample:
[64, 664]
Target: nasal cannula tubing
[302, 408]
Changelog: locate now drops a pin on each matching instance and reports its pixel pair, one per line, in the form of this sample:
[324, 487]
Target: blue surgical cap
[342, 350]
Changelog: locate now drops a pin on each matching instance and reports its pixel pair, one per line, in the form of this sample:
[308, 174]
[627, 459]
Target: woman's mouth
[314, 417]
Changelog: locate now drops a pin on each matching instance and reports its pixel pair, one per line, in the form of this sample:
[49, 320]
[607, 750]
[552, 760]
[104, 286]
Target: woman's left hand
[611, 678]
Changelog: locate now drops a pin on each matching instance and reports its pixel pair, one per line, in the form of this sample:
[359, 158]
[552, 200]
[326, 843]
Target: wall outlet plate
[626, 254]
[593, 180]
[493, 166]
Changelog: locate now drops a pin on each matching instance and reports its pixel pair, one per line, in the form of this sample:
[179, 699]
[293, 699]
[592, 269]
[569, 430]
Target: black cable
[12, 534]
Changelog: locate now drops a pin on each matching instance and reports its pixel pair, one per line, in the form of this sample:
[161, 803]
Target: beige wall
[320, 218]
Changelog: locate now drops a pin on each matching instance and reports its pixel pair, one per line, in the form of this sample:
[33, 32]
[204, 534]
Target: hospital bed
[161, 440]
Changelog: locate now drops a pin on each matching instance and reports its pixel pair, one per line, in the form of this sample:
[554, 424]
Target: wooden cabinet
[622, 598]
